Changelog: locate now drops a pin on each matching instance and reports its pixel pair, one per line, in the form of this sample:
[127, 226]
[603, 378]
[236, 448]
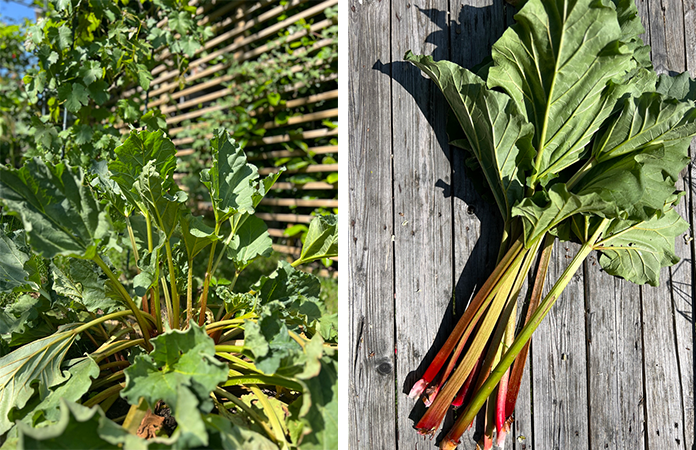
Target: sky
[14, 12]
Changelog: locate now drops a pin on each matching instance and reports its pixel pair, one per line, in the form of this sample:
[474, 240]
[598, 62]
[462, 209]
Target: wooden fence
[611, 366]
[248, 32]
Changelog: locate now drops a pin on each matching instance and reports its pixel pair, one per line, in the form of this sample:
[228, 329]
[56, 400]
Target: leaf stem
[189, 292]
[172, 282]
[520, 342]
[103, 395]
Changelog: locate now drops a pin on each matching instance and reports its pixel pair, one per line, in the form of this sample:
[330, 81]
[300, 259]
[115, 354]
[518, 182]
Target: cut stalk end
[418, 388]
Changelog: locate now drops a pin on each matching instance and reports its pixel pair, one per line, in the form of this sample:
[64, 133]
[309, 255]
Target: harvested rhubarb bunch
[578, 140]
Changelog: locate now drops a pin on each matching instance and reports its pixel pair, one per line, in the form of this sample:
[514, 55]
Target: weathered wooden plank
[614, 351]
[663, 380]
[423, 224]
[683, 275]
[559, 384]
[475, 26]
[371, 389]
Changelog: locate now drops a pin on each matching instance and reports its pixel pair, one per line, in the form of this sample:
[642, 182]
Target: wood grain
[371, 388]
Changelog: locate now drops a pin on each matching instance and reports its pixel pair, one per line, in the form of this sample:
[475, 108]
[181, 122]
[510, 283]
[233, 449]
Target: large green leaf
[12, 273]
[81, 373]
[498, 135]
[251, 241]
[86, 429]
[180, 358]
[84, 282]
[555, 62]
[321, 240]
[227, 436]
[60, 214]
[132, 157]
[637, 251]
[162, 203]
[197, 235]
[230, 180]
[646, 121]
[681, 87]
[37, 363]
[322, 415]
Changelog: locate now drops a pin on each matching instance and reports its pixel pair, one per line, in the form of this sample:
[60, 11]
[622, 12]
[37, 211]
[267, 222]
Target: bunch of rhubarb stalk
[578, 139]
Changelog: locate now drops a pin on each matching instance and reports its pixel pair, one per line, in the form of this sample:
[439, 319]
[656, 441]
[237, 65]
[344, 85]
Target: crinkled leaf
[84, 282]
[318, 428]
[321, 240]
[84, 428]
[12, 273]
[75, 96]
[498, 134]
[288, 282]
[131, 158]
[555, 63]
[163, 207]
[180, 358]
[81, 372]
[264, 186]
[637, 251]
[230, 180]
[60, 214]
[646, 121]
[227, 436]
[251, 241]
[682, 87]
[35, 363]
[197, 235]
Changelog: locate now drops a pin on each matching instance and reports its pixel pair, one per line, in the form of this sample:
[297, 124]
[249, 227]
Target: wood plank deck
[612, 365]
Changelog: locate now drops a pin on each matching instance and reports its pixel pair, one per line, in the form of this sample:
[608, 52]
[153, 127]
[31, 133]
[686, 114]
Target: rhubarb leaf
[12, 273]
[163, 206]
[637, 251]
[498, 134]
[321, 240]
[83, 428]
[197, 235]
[81, 373]
[37, 363]
[83, 281]
[251, 241]
[264, 186]
[555, 63]
[61, 216]
[648, 120]
[132, 157]
[227, 436]
[180, 358]
[682, 87]
[230, 180]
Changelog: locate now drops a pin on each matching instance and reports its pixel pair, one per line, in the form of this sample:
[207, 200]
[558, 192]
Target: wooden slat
[305, 135]
[314, 185]
[291, 218]
[314, 168]
[424, 285]
[287, 154]
[477, 225]
[329, 95]
[294, 120]
[371, 341]
[663, 386]
[300, 202]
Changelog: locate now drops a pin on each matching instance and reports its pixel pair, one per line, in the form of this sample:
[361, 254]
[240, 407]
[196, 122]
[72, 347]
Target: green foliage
[88, 53]
[82, 306]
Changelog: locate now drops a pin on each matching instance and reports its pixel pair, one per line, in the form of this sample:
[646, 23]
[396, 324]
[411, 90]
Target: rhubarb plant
[162, 354]
[577, 139]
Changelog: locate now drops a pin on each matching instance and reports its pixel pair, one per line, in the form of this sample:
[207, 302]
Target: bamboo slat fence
[246, 36]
